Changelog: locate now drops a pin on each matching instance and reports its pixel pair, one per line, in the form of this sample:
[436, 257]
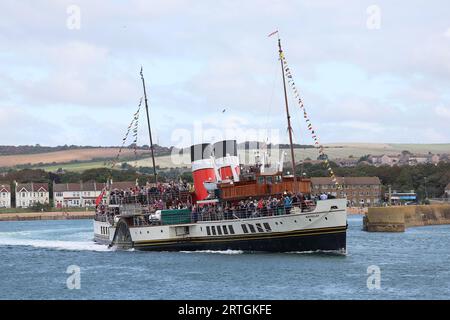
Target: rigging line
[314, 134]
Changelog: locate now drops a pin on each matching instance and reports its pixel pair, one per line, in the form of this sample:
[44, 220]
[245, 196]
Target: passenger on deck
[323, 196]
[287, 204]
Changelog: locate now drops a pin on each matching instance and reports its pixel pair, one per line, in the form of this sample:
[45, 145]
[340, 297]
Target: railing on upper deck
[215, 214]
[151, 198]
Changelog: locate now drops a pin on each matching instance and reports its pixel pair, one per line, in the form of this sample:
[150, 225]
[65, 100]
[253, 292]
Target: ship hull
[323, 229]
[323, 240]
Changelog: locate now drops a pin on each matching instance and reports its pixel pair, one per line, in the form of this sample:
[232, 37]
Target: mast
[149, 129]
[287, 115]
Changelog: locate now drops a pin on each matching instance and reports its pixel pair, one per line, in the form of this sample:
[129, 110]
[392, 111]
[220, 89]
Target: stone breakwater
[398, 218]
[46, 216]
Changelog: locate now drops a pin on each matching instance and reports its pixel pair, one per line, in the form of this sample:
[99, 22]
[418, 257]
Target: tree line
[424, 179]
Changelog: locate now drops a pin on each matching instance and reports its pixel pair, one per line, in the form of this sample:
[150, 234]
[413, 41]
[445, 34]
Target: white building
[29, 194]
[82, 194]
[76, 194]
[5, 196]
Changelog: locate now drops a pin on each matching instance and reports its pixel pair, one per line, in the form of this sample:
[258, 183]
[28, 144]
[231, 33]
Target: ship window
[219, 230]
[231, 229]
[258, 226]
[252, 228]
[244, 228]
[213, 229]
[225, 230]
[334, 208]
[260, 180]
[269, 180]
[208, 231]
[267, 226]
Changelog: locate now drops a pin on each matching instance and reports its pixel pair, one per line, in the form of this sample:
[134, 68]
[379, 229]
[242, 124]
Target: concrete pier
[398, 218]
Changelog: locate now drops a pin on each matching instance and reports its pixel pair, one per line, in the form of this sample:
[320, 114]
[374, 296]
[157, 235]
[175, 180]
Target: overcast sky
[366, 73]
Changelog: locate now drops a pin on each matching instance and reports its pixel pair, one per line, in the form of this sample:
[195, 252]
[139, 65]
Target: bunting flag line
[311, 128]
[131, 127]
[135, 135]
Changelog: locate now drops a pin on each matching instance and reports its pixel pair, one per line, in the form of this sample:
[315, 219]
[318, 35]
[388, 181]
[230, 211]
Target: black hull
[297, 242]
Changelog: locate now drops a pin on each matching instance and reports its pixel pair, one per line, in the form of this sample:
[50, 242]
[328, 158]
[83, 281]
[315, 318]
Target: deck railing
[139, 215]
[152, 198]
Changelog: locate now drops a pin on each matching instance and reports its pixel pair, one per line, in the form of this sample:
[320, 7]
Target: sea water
[36, 256]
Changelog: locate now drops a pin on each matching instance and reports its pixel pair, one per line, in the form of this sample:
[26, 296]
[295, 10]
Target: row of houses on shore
[408, 159]
[359, 191]
[65, 195]
[385, 159]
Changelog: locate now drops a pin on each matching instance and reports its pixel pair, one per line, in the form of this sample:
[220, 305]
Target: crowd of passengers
[167, 196]
[268, 206]
[159, 197]
[151, 195]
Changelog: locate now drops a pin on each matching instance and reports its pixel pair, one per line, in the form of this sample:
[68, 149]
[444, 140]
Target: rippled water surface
[35, 255]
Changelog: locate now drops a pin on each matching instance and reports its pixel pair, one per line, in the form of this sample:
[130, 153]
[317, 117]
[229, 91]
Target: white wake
[15, 239]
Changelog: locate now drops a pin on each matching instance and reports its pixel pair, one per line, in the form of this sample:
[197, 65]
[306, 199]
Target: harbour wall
[398, 218]
[46, 216]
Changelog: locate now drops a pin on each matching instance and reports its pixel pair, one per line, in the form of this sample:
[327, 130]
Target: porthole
[309, 219]
[326, 218]
[161, 231]
[295, 221]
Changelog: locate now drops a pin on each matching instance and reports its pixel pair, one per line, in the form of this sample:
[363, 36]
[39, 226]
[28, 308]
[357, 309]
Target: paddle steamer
[215, 222]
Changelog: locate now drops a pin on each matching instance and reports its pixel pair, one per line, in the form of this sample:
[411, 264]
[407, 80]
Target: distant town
[404, 158]
[369, 180]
